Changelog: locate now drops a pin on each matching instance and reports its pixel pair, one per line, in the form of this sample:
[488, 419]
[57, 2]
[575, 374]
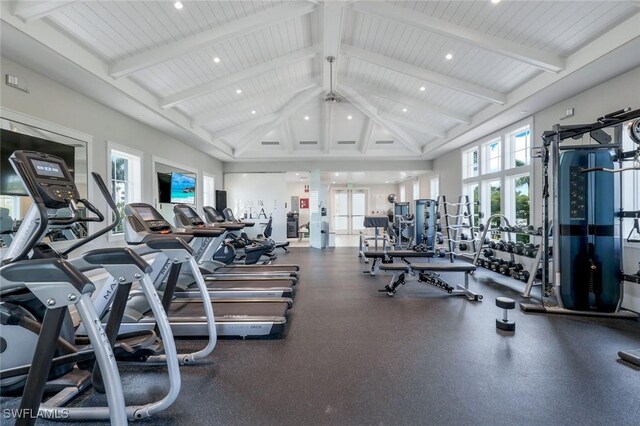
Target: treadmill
[213, 217]
[240, 317]
[234, 285]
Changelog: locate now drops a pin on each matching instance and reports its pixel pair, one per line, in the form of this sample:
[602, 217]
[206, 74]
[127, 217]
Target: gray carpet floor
[354, 356]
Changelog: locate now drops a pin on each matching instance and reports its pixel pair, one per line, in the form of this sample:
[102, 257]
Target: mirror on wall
[14, 201]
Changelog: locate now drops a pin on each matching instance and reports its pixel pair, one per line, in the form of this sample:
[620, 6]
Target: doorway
[349, 207]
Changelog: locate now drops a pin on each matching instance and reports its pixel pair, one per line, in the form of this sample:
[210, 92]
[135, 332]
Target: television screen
[164, 187]
[10, 183]
[183, 189]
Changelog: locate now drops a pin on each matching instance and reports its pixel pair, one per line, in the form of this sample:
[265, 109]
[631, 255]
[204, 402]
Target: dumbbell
[488, 252]
[464, 236]
[463, 246]
[530, 229]
[441, 253]
[440, 239]
[539, 273]
[524, 276]
[539, 232]
[495, 265]
[506, 304]
[519, 248]
[486, 263]
[492, 244]
[481, 227]
[510, 246]
[505, 267]
[500, 245]
[529, 250]
[438, 227]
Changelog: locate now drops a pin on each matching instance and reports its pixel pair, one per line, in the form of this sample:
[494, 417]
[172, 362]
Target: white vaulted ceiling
[401, 96]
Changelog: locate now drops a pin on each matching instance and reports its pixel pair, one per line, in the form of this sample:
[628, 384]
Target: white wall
[58, 104]
[250, 194]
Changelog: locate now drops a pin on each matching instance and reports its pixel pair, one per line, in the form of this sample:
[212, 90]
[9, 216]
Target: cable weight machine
[586, 203]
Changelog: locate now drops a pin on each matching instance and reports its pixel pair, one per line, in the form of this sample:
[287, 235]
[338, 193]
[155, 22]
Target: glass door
[348, 210]
[358, 210]
[341, 212]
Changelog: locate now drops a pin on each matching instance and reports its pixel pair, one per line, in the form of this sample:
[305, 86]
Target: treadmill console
[213, 215]
[188, 216]
[46, 178]
[147, 219]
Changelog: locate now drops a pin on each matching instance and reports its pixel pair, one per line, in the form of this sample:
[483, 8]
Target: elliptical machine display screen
[48, 169]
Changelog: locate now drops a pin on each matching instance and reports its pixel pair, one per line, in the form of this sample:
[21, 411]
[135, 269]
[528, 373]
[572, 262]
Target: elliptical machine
[27, 314]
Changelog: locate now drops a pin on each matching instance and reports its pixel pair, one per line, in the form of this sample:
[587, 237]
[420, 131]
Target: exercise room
[328, 212]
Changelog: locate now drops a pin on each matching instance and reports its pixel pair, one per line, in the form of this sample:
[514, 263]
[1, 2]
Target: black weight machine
[586, 203]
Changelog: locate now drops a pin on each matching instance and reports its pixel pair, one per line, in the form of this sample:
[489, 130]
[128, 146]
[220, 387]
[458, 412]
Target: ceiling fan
[331, 97]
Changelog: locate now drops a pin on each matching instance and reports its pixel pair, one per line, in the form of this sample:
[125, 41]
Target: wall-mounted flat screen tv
[10, 183]
[183, 189]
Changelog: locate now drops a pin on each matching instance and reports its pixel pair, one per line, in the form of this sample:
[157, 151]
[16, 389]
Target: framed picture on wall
[304, 203]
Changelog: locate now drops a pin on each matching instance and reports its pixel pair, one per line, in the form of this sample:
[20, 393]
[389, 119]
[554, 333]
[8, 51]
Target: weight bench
[429, 273]
[381, 257]
[377, 256]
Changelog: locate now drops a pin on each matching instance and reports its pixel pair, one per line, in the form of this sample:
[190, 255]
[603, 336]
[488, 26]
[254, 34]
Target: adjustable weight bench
[429, 273]
[381, 257]
[377, 256]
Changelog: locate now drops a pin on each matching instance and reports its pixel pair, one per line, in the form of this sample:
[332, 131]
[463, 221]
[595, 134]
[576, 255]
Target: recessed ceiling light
[253, 111]
[449, 57]
[495, 1]
[349, 117]
[337, 174]
[404, 110]
[333, 181]
[216, 60]
[178, 5]
[404, 173]
[422, 88]
[238, 91]
[386, 181]
[306, 117]
[524, 111]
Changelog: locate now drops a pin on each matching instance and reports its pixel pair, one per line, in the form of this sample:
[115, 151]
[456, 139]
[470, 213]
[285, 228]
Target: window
[520, 207]
[497, 186]
[403, 194]
[495, 197]
[493, 155]
[126, 181]
[12, 205]
[470, 163]
[473, 192]
[435, 188]
[520, 144]
[416, 190]
[208, 191]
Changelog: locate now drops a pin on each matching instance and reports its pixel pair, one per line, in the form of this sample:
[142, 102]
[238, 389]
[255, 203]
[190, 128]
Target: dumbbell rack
[455, 230]
[492, 229]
